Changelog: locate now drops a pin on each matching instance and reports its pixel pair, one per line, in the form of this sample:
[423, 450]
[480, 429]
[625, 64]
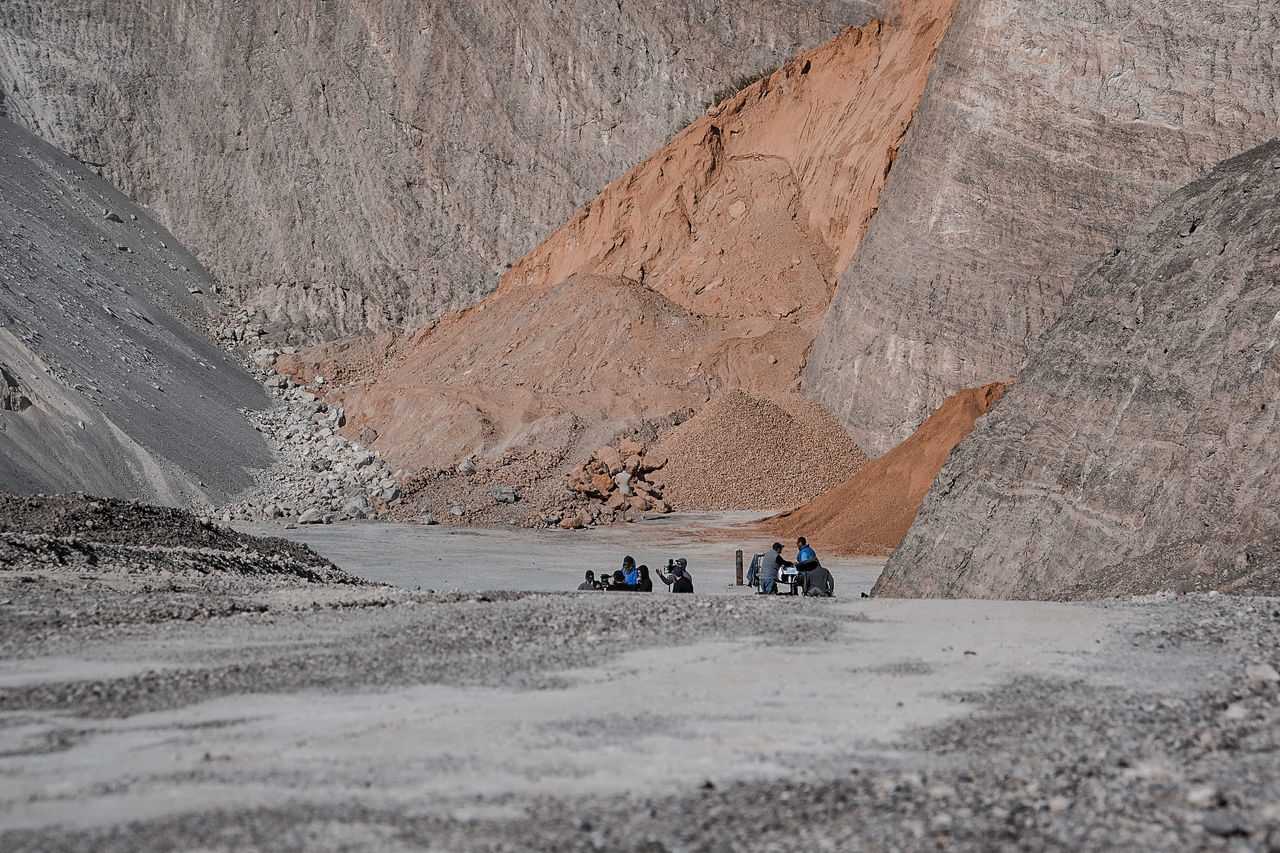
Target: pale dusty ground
[584, 721]
[475, 559]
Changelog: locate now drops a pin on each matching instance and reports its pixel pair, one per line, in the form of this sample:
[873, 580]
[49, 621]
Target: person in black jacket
[682, 581]
[645, 583]
[818, 581]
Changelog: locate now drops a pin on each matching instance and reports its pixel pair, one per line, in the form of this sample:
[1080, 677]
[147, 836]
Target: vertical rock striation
[1047, 129]
[1139, 449]
[351, 166]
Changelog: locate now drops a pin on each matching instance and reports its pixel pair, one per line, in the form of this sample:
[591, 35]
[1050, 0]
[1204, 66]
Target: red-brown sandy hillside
[706, 268]
[870, 513]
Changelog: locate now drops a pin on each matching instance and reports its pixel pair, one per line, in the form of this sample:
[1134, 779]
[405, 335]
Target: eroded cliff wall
[351, 166]
[1048, 127]
[1138, 450]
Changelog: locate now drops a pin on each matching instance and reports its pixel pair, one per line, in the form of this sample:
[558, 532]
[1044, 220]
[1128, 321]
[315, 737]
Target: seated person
[806, 558]
[643, 582]
[682, 582]
[819, 582]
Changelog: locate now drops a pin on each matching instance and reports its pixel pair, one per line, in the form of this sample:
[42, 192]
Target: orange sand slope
[869, 513]
[706, 268]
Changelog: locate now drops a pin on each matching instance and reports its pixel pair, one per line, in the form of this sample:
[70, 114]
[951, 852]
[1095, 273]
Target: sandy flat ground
[404, 720]
[479, 559]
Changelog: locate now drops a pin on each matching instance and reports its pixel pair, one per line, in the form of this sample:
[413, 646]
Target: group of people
[633, 578]
[806, 573]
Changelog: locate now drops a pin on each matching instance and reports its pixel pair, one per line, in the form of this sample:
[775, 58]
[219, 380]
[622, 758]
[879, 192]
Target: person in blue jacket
[630, 574]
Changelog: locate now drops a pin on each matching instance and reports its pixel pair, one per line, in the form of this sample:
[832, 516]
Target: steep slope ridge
[870, 512]
[707, 267]
[351, 166]
[1045, 132]
[1138, 450]
[107, 383]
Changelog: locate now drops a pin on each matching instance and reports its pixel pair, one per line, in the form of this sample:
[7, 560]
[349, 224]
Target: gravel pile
[319, 476]
[742, 452]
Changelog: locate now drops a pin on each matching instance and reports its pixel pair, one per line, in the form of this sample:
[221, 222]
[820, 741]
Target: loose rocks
[319, 475]
[614, 482]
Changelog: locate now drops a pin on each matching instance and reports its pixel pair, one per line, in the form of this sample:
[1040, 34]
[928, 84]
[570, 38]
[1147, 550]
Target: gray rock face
[350, 167]
[108, 383]
[1138, 450]
[1047, 129]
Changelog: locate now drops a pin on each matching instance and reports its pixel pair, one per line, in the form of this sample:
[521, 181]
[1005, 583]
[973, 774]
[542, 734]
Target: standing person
[644, 583]
[769, 566]
[590, 582]
[629, 573]
[680, 563]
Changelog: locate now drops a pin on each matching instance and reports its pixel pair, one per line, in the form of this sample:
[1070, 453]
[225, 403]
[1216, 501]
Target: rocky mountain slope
[706, 268]
[870, 512]
[352, 166]
[1138, 450]
[1046, 130]
[109, 382]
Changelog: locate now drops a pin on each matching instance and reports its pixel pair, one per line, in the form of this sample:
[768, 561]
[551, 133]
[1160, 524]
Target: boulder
[504, 494]
[631, 447]
[311, 516]
[610, 457]
[602, 483]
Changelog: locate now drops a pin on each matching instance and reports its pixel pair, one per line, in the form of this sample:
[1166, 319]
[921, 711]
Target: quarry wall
[1047, 129]
[352, 166]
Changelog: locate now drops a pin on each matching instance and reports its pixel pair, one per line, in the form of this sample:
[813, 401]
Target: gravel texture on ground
[744, 452]
[1041, 764]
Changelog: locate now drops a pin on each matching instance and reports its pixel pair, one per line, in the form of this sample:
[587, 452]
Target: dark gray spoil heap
[108, 383]
[1138, 450]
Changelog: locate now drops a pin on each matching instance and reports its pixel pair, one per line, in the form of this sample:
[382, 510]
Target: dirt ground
[316, 714]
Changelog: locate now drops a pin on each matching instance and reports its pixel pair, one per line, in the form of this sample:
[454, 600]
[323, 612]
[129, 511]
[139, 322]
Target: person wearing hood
[680, 567]
[630, 575]
[644, 583]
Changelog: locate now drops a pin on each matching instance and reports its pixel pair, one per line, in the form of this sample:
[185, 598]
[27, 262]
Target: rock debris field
[168, 683]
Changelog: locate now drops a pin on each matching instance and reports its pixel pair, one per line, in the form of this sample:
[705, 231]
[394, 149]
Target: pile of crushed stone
[744, 452]
[108, 535]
